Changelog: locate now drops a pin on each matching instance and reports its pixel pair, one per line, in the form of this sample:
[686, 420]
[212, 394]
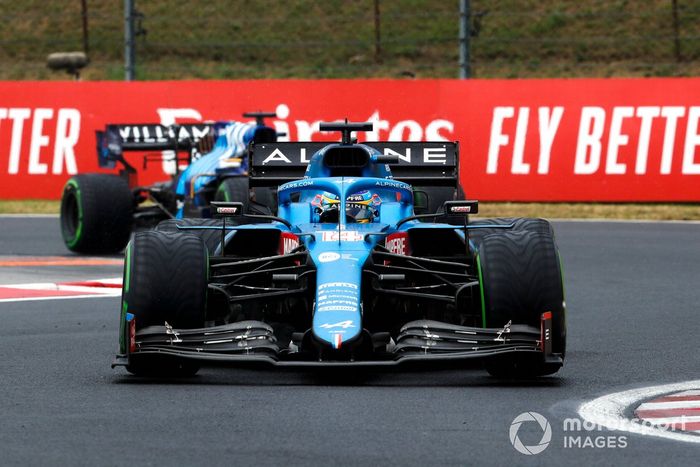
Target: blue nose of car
[337, 318]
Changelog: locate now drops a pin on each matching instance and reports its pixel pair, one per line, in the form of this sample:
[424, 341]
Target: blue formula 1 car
[346, 274]
[100, 211]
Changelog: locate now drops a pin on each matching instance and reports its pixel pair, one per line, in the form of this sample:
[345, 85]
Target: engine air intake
[346, 161]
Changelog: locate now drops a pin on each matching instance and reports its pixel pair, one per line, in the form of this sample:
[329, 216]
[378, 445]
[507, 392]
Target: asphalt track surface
[633, 295]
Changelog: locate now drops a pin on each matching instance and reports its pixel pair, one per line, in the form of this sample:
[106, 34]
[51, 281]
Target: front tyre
[96, 213]
[520, 278]
[165, 280]
[519, 224]
[210, 237]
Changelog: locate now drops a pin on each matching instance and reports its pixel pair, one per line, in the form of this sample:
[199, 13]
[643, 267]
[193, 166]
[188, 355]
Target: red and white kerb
[678, 411]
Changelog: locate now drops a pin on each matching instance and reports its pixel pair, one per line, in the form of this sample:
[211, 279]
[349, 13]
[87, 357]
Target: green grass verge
[257, 39]
[32, 206]
[546, 210]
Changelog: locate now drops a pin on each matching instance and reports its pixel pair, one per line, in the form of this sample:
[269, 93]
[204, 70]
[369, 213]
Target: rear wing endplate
[420, 163]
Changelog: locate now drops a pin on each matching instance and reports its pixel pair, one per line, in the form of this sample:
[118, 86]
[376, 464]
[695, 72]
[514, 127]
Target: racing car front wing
[420, 343]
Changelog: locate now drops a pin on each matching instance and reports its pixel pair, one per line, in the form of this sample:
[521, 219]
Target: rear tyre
[437, 195]
[234, 189]
[96, 213]
[237, 189]
[165, 280]
[520, 277]
[265, 197]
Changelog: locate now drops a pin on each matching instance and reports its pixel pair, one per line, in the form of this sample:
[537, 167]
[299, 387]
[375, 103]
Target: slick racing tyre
[96, 213]
[165, 280]
[210, 237]
[520, 278]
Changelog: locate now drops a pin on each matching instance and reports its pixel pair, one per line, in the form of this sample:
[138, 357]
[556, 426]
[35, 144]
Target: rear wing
[116, 139]
[420, 163]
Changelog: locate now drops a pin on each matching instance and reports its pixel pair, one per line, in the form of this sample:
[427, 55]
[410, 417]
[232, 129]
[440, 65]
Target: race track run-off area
[629, 379]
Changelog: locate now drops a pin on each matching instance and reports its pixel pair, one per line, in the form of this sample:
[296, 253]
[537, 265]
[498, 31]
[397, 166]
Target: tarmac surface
[633, 298]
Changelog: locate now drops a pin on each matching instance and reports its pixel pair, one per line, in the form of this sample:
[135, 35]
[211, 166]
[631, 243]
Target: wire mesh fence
[253, 39]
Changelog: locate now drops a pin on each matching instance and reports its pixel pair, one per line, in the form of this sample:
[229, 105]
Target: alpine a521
[346, 274]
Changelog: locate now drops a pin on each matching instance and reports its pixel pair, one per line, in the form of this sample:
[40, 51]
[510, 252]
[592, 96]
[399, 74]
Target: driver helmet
[361, 207]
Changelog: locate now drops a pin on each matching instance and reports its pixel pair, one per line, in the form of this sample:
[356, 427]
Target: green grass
[259, 39]
[31, 206]
[546, 210]
[256, 39]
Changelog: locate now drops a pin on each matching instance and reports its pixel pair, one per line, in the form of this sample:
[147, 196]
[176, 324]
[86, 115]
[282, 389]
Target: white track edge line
[608, 411]
[70, 283]
[30, 216]
[62, 297]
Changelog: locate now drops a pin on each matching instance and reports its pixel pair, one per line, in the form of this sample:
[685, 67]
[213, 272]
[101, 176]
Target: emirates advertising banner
[520, 140]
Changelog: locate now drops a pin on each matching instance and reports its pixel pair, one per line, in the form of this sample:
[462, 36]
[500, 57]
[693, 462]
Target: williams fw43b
[345, 275]
[99, 211]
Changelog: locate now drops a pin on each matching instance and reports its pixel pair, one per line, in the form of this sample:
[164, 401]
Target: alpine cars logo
[543, 424]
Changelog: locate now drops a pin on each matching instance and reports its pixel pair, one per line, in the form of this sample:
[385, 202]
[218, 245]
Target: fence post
[676, 32]
[84, 14]
[129, 54]
[464, 36]
[377, 33]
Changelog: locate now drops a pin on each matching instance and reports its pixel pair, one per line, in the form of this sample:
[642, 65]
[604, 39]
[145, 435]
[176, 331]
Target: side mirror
[457, 208]
[227, 208]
